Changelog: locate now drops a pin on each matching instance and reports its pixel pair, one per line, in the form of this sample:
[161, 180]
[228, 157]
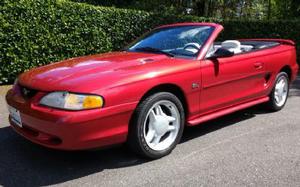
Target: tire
[274, 104]
[157, 114]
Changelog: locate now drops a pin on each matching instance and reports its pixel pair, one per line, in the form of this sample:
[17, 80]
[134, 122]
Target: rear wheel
[157, 125]
[279, 94]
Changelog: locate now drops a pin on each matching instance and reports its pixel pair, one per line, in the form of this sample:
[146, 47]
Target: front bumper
[71, 130]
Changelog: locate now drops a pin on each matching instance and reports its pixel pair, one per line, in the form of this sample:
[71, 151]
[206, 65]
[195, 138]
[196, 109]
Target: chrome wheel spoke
[152, 117]
[282, 84]
[277, 98]
[156, 140]
[170, 118]
[171, 128]
[150, 135]
[158, 110]
[280, 98]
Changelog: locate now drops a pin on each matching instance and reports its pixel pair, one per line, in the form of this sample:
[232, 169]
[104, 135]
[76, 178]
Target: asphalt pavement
[252, 147]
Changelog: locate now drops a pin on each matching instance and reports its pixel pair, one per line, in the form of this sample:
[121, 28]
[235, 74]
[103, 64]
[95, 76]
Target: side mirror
[222, 53]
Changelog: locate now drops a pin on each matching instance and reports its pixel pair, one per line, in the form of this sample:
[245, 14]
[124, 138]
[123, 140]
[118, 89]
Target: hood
[84, 74]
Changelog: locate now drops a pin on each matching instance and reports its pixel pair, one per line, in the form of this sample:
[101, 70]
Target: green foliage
[37, 32]
[225, 9]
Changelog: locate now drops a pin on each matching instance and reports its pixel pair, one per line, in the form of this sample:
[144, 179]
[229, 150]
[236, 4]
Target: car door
[231, 80]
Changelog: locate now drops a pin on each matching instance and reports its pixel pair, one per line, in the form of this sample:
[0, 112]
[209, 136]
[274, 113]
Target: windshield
[184, 41]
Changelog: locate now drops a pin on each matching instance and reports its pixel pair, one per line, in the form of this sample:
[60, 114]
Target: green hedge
[37, 32]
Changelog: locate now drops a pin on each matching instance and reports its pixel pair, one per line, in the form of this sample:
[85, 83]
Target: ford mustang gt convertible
[173, 76]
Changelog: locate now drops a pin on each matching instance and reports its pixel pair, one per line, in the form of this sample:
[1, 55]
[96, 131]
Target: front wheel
[279, 94]
[157, 125]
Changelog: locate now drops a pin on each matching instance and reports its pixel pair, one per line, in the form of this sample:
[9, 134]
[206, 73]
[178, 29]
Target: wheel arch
[134, 137]
[288, 70]
[172, 88]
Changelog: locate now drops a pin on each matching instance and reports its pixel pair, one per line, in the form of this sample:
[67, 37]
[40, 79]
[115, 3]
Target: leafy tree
[227, 9]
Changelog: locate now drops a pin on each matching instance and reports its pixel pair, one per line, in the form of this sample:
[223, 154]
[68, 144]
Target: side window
[211, 51]
[213, 48]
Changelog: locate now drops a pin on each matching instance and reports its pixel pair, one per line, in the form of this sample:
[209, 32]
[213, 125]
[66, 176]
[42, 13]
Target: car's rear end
[282, 54]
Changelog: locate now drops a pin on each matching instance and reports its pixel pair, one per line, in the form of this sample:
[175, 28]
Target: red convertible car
[174, 75]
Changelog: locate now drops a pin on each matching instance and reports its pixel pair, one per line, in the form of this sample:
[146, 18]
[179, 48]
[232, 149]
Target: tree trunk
[294, 8]
[206, 7]
[200, 4]
[269, 9]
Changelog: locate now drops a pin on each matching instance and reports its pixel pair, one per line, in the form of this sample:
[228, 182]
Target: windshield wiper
[154, 50]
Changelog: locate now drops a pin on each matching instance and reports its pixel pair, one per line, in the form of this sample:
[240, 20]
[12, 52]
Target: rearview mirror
[222, 53]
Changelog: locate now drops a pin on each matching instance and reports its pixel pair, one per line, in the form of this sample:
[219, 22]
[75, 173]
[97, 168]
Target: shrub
[37, 32]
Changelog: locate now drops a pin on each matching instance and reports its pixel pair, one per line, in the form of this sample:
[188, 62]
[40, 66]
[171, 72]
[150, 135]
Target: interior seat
[232, 45]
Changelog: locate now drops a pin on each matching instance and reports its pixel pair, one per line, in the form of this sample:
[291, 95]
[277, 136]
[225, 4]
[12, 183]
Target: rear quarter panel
[276, 59]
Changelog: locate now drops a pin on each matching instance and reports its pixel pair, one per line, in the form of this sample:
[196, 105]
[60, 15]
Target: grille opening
[27, 93]
[30, 131]
[42, 137]
[55, 141]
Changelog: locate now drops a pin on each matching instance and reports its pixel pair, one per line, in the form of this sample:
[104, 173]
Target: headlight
[72, 101]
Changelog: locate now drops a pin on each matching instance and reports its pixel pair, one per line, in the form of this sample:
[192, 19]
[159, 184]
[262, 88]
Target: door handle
[258, 65]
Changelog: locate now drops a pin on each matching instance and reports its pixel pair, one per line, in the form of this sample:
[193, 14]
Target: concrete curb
[4, 89]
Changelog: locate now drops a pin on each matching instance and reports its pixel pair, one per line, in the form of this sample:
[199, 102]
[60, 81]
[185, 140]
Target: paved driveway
[251, 147]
